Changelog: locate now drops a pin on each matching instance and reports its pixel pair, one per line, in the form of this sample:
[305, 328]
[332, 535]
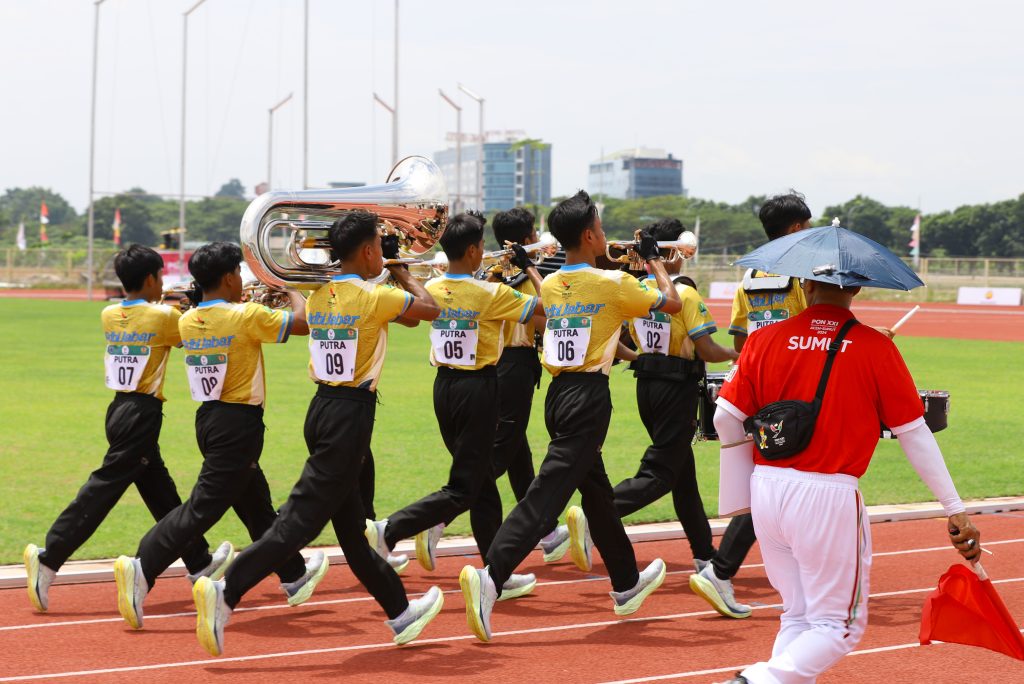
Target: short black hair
[463, 230]
[665, 230]
[514, 225]
[780, 212]
[134, 264]
[210, 263]
[571, 217]
[351, 231]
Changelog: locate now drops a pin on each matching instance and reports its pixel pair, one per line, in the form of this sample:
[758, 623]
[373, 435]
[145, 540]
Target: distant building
[638, 172]
[517, 172]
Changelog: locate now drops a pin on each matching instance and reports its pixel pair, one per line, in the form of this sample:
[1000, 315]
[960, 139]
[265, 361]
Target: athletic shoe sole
[578, 539]
[205, 596]
[508, 594]
[223, 567]
[469, 580]
[413, 630]
[633, 604]
[558, 553]
[706, 590]
[400, 568]
[31, 557]
[423, 550]
[307, 589]
[124, 576]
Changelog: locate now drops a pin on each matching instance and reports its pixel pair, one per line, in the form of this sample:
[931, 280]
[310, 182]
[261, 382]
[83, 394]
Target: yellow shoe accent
[423, 549]
[703, 588]
[31, 558]
[219, 572]
[413, 630]
[124, 576]
[633, 604]
[469, 580]
[577, 523]
[205, 596]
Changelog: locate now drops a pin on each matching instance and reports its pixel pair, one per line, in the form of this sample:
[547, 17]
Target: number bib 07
[454, 341]
[762, 319]
[206, 373]
[653, 332]
[333, 351]
[124, 364]
[566, 341]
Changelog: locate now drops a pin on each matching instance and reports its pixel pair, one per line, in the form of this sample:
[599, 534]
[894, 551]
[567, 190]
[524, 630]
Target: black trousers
[230, 438]
[577, 409]
[133, 457]
[467, 415]
[668, 409]
[736, 542]
[338, 427]
[368, 485]
[518, 372]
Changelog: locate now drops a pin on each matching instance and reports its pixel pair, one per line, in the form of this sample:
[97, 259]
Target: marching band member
[222, 339]
[139, 335]
[348, 321]
[584, 307]
[466, 340]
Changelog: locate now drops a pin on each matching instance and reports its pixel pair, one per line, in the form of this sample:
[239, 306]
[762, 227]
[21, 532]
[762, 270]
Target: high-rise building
[637, 172]
[517, 172]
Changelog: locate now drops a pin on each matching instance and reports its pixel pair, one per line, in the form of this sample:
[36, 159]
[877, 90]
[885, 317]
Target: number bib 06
[762, 319]
[124, 364]
[566, 341]
[454, 341]
[333, 351]
[206, 374]
[653, 332]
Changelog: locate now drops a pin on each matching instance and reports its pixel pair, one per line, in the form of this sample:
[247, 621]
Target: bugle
[684, 247]
[499, 262]
[185, 295]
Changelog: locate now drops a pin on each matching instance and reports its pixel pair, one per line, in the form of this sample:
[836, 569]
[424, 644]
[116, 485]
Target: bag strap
[833, 350]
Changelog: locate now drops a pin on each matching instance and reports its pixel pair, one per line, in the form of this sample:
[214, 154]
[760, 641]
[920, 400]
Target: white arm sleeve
[736, 462]
[922, 451]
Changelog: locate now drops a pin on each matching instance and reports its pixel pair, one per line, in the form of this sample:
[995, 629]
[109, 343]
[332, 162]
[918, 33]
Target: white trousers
[816, 544]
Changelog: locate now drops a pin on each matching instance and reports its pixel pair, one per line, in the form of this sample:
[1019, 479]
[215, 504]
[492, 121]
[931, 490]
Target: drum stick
[905, 318]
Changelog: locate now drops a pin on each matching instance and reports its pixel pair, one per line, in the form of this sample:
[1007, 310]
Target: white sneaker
[222, 558]
[518, 585]
[299, 591]
[719, 593]
[555, 544]
[398, 562]
[39, 578]
[479, 592]
[212, 613]
[131, 589]
[418, 615]
[580, 544]
[699, 564]
[651, 577]
[426, 546]
[375, 536]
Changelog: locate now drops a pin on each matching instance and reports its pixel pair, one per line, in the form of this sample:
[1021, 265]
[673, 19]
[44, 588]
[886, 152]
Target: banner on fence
[720, 290]
[993, 296]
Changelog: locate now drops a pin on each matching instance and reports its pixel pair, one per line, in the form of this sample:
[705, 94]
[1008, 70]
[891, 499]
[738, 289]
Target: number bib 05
[333, 351]
[653, 332]
[124, 364]
[454, 341]
[206, 373]
[566, 341]
[762, 319]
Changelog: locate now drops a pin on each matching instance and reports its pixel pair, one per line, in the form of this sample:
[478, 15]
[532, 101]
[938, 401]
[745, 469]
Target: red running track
[565, 632]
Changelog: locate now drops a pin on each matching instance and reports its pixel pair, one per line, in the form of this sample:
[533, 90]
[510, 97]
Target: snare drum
[936, 411]
[706, 405]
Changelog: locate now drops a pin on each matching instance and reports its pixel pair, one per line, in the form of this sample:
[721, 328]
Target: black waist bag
[784, 428]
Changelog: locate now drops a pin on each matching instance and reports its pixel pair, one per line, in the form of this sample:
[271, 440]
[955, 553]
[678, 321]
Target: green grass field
[53, 402]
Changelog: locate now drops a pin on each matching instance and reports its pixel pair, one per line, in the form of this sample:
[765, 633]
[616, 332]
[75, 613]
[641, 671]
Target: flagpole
[92, 146]
[181, 202]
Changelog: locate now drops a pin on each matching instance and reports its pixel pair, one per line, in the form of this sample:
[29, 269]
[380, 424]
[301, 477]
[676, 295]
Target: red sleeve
[739, 388]
[898, 399]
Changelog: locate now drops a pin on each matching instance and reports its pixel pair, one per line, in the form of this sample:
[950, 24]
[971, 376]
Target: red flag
[117, 226]
[44, 218]
[966, 609]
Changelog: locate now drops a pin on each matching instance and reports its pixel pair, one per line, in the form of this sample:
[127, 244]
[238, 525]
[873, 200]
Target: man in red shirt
[821, 569]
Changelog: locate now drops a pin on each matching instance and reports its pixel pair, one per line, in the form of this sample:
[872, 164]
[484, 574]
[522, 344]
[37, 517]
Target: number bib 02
[566, 341]
[762, 319]
[124, 364]
[454, 341]
[333, 351]
[653, 332]
[206, 374]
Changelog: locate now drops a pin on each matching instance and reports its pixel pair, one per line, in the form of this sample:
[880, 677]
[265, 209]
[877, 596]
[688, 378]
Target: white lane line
[438, 640]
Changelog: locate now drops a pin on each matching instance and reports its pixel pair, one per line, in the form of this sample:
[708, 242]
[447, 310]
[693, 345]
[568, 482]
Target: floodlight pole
[394, 117]
[92, 146]
[394, 111]
[458, 151]
[480, 149]
[305, 96]
[270, 140]
[184, 91]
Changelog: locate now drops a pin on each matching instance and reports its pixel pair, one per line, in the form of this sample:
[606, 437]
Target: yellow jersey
[673, 334]
[139, 337]
[223, 349]
[585, 307]
[521, 334]
[763, 299]
[469, 335]
[348, 330]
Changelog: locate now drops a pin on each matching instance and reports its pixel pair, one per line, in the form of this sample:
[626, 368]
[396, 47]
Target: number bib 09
[566, 341]
[206, 374]
[454, 341]
[762, 319]
[653, 332]
[333, 351]
[124, 364]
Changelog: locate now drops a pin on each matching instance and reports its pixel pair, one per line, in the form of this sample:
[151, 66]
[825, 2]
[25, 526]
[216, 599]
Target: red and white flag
[915, 233]
[117, 226]
[44, 218]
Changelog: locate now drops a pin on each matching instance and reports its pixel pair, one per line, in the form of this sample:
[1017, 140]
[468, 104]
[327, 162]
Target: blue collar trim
[347, 276]
[574, 267]
[203, 305]
[457, 276]
[133, 302]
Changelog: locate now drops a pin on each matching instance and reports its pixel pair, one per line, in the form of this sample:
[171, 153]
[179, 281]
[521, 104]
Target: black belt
[579, 377]
[231, 405]
[666, 367]
[140, 397]
[485, 372]
[519, 355]
[345, 392]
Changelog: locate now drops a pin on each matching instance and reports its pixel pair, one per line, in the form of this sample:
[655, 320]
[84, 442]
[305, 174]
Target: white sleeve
[922, 451]
[736, 463]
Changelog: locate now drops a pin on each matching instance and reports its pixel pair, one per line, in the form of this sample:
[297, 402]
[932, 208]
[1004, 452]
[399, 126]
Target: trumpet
[500, 261]
[684, 247]
[185, 295]
[420, 269]
[255, 291]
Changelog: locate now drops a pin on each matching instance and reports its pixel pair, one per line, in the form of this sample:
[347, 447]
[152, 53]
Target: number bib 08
[566, 341]
[454, 341]
[333, 351]
[206, 374]
[653, 332]
[124, 364]
[762, 319]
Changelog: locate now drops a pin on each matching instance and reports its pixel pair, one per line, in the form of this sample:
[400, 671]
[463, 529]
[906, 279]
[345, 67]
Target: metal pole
[305, 97]
[394, 112]
[92, 144]
[270, 140]
[184, 91]
[480, 149]
[394, 149]
[458, 150]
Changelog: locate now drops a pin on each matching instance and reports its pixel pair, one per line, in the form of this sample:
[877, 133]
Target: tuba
[413, 202]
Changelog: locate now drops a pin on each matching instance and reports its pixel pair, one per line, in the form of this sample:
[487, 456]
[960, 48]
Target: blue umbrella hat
[832, 254]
